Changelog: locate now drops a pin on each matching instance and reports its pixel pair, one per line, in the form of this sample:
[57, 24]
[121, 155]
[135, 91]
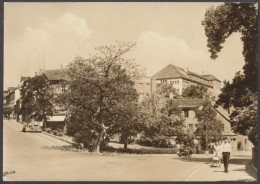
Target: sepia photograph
[130, 91]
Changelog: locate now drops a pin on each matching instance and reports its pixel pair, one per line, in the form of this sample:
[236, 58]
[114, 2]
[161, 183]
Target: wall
[143, 87]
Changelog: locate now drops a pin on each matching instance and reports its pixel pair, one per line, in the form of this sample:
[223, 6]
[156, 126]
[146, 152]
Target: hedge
[140, 151]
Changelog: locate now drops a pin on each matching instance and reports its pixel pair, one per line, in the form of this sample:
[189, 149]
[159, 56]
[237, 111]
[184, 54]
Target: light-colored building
[143, 87]
[181, 79]
[189, 105]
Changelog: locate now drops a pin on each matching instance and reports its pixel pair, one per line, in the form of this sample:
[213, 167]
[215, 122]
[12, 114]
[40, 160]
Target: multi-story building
[189, 105]
[143, 87]
[180, 79]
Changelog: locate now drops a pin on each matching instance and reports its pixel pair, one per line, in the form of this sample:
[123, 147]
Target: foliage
[158, 142]
[86, 137]
[37, 98]
[141, 151]
[209, 127]
[194, 91]
[8, 109]
[244, 120]
[220, 22]
[100, 88]
[160, 113]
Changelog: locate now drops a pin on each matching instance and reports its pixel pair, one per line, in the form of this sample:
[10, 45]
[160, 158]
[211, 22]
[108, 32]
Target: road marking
[194, 172]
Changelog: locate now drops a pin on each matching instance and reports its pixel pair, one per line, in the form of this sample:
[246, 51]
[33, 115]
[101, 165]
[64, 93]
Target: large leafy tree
[161, 114]
[100, 88]
[209, 127]
[37, 99]
[219, 23]
[195, 91]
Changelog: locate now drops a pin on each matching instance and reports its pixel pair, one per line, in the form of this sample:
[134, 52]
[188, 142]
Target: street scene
[29, 156]
[130, 92]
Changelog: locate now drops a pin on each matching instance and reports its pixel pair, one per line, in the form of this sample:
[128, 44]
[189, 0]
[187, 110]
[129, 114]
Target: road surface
[26, 153]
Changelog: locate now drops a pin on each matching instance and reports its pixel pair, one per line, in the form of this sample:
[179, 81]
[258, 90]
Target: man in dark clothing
[226, 150]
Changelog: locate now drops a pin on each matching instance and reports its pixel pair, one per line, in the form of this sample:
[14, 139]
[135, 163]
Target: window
[63, 90]
[147, 94]
[141, 85]
[177, 82]
[148, 85]
[163, 81]
[186, 113]
[191, 126]
[172, 82]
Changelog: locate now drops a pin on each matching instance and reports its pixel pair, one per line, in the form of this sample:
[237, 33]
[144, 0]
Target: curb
[70, 142]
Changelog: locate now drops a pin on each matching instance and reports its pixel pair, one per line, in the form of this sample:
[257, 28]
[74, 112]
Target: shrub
[55, 132]
[60, 133]
[158, 142]
[48, 130]
[87, 138]
[59, 130]
[140, 151]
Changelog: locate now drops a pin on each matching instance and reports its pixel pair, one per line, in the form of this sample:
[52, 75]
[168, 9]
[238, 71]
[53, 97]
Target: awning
[56, 118]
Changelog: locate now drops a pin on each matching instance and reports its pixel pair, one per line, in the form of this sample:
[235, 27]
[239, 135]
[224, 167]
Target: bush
[59, 130]
[140, 151]
[88, 138]
[158, 142]
[60, 133]
[48, 130]
[55, 132]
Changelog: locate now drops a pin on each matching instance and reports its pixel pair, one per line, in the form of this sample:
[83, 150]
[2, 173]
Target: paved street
[26, 153]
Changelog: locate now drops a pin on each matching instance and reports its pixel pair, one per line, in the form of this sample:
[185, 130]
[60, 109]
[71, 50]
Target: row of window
[174, 82]
[196, 125]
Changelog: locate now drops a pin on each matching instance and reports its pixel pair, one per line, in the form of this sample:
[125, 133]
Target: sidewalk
[240, 169]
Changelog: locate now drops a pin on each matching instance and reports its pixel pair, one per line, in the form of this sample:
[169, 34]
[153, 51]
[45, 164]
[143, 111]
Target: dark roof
[53, 75]
[170, 71]
[188, 102]
[210, 77]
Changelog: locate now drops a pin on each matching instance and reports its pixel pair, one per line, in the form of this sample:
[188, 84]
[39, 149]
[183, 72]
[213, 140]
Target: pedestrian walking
[226, 150]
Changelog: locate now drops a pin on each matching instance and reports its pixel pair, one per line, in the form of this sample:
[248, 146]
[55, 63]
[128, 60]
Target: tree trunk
[125, 143]
[100, 138]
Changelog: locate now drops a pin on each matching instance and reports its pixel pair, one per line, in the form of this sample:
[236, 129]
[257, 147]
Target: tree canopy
[162, 117]
[220, 22]
[209, 127]
[37, 98]
[195, 91]
[100, 90]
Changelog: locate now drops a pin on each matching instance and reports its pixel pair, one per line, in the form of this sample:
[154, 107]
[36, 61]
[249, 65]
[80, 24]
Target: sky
[50, 35]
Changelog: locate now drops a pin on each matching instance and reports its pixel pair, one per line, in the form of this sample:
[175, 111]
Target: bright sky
[165, 33]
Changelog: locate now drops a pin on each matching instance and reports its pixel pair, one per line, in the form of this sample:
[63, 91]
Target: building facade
[181, 79]
[189, 105]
